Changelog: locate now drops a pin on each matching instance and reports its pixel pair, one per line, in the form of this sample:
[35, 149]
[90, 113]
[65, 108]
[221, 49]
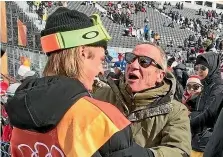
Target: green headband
[74, 38]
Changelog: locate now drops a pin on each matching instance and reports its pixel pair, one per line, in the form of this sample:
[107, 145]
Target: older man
[145, 96]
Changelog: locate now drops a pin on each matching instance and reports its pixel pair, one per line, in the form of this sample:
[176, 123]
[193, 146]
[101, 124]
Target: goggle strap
[50, 43]
[97, 21]
[69, 39]
[60, 40]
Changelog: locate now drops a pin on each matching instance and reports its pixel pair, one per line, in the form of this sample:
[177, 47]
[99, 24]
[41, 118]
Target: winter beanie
[64, 19]
[202, 61]
[170, 61]
[194, 79]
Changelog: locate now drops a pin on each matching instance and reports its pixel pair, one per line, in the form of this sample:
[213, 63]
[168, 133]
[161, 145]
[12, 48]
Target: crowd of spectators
[121, 13]
[41, 7]
[195, 24]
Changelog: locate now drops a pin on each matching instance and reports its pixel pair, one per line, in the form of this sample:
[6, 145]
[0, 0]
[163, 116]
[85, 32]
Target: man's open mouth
[133, 77]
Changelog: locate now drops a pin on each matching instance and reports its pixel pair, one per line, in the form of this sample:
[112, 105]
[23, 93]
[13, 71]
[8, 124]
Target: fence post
[13, 62]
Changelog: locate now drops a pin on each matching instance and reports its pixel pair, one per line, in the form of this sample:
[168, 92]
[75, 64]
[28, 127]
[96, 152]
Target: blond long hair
[64, 63]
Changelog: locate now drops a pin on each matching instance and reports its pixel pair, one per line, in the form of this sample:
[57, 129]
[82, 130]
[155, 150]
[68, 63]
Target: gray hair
[162, 54]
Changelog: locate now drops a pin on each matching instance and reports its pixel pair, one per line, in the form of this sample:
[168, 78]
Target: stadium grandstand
[24, 22]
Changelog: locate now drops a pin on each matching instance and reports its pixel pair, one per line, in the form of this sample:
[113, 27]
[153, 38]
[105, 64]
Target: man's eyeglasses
[193, 87]
[144, 61]
[201, 67]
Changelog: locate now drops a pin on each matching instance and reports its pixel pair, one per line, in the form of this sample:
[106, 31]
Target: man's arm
[215, 144]
[176, 136]
[212, 112]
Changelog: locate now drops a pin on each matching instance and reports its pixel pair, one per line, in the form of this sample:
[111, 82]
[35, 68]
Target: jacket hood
[39, 104]
[213, 50]
[214, 62]
[160, 95]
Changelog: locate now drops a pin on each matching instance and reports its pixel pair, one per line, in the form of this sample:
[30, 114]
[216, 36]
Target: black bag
[179, 91]
[185, 77]
[200, 140]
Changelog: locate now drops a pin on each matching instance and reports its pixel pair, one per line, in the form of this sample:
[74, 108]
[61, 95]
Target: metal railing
[37, 58]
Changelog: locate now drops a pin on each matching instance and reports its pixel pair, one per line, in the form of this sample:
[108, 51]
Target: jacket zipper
[199, 101]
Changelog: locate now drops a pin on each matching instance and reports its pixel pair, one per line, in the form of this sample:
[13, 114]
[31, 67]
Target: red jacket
[3, 87]
[6, 129]
[201, 50]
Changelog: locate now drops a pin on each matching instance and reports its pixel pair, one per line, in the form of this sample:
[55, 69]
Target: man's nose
[135, 64]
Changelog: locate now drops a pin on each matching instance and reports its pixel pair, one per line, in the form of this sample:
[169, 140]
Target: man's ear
[161, 76]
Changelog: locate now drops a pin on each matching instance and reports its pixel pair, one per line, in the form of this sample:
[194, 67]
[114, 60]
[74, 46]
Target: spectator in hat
[193, 89]
[171, 63]
[203, 119]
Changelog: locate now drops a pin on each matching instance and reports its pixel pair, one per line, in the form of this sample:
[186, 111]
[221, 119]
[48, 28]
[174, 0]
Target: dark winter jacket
[59, 115]
[214, 147]
[179, 91]
[180, 73]
[209, 103]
